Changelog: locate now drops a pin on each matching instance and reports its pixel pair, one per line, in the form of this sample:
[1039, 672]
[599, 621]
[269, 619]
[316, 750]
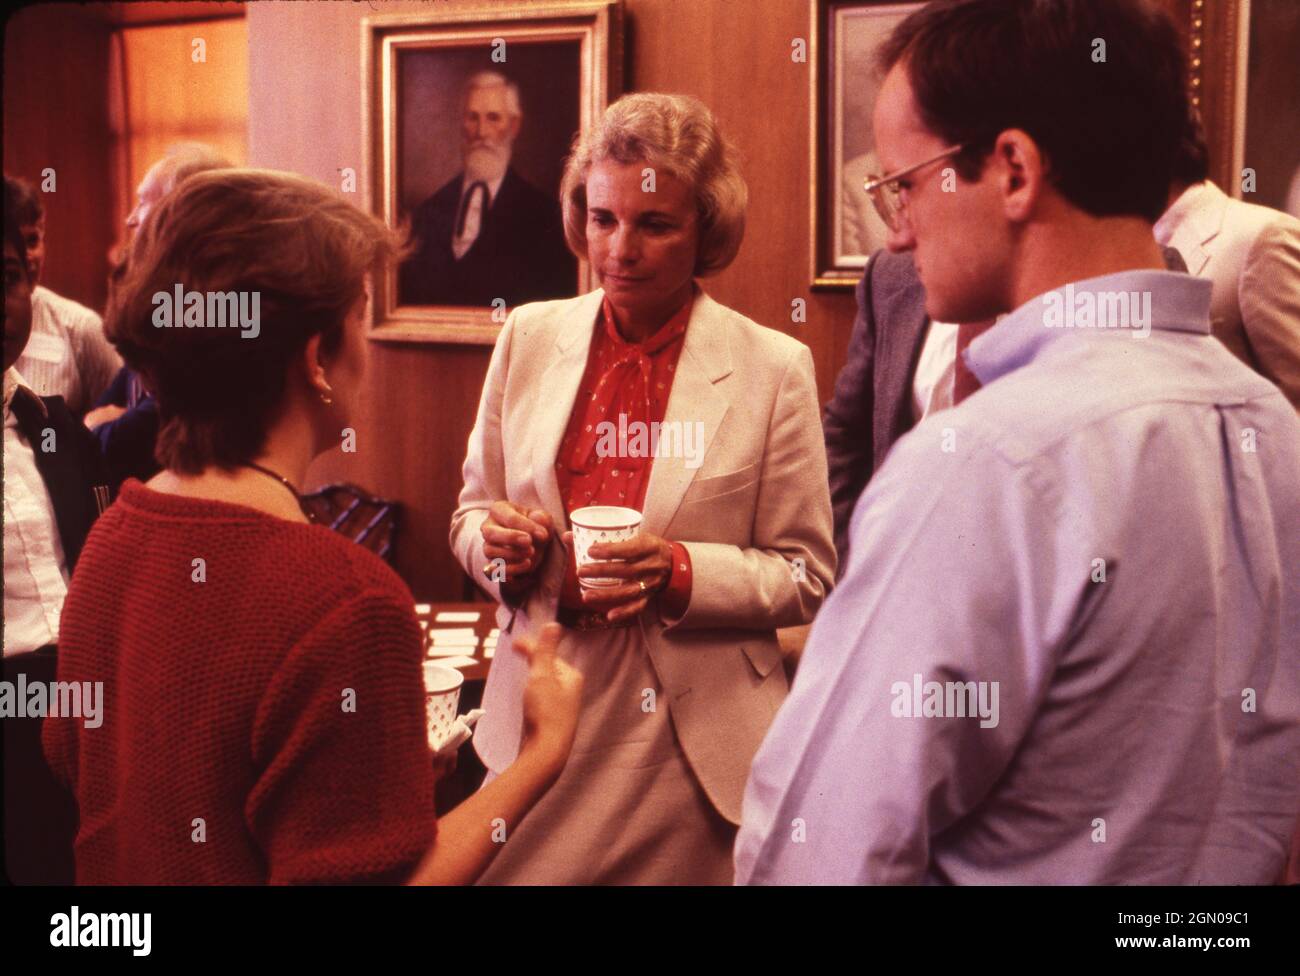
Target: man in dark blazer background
[869, 409]
[873, 403]
[488, 233]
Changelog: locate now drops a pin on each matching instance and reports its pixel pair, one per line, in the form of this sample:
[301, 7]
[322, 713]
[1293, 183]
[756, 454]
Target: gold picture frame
[568, 45]
[844, 226]
[1211, 32]
[1243, 78]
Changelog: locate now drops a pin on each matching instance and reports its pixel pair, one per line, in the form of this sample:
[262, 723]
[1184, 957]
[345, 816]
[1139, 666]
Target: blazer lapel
[557, 391]
[1203, 225]
[695, 405]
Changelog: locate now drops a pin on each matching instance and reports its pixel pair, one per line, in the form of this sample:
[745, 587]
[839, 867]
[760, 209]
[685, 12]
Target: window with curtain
[163, 95]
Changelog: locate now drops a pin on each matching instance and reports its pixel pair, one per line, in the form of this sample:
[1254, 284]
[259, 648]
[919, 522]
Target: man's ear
[1021, 171]
[515, 122]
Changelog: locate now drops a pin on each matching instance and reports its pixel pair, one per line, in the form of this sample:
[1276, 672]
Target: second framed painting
[469, 116]
[845, 226]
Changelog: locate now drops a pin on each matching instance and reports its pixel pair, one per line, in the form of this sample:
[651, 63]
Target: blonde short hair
[675, 134]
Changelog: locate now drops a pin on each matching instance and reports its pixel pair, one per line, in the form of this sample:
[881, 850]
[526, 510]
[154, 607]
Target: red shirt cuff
[676, 596]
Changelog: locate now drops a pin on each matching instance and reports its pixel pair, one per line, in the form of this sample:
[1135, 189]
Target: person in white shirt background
[67, 354]
[54, 487]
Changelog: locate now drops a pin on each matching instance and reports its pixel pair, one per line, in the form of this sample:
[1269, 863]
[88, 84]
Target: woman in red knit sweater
[263, 715]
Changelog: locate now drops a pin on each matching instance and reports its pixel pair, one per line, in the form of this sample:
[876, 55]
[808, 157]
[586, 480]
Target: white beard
[486, 163]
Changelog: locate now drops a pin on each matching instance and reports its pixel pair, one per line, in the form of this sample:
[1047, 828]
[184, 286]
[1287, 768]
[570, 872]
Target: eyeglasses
[886, 194]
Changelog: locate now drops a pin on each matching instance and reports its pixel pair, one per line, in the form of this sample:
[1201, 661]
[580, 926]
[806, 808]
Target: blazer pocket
[702, 489]
[763, 655]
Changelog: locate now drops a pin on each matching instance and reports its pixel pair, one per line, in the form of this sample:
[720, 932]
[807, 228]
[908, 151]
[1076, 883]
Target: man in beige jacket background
[1251, 254]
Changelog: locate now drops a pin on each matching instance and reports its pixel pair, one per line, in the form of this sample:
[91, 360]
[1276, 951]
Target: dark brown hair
[1108, 128]
[300, 246]
[1192, 164]
[27, 205]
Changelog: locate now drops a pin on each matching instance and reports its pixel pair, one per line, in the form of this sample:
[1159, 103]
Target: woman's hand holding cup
[642, 567]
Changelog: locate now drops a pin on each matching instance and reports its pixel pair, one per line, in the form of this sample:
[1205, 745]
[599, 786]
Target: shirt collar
[493, 186]
[15, 385]
[1167, 301]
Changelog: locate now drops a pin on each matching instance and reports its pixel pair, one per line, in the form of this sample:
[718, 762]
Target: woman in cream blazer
[677, 701]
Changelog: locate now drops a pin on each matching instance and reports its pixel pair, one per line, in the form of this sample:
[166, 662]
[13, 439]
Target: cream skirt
[627, 809]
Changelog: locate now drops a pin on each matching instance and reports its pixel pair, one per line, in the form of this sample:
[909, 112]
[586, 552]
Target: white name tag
[46, 348]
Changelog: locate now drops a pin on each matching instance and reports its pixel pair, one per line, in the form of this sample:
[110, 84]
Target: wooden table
[483, 627]
[455, 787]
[791, 638]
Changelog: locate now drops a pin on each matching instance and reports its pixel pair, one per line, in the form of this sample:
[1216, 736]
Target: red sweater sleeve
[344, 776]
[59, 743]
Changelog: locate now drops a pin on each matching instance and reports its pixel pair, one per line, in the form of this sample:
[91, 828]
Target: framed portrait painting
[845, 226]
[470, 114]
[1244, 76]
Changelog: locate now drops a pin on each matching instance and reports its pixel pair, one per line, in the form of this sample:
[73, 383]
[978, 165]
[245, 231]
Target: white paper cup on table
[441, 699]
[601, 523]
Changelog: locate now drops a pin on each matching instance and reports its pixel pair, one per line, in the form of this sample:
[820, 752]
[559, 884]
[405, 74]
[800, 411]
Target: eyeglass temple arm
[873, 182]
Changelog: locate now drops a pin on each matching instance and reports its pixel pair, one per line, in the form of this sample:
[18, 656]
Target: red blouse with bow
[605, 456]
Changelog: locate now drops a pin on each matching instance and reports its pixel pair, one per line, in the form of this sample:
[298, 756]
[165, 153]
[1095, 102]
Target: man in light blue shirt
[1066, 647]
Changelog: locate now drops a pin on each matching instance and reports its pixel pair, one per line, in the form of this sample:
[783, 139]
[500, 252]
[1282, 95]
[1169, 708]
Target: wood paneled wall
[55, 116]
[305, 115]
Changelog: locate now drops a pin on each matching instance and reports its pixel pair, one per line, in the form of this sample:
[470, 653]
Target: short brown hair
[675, 134]
[303, 249]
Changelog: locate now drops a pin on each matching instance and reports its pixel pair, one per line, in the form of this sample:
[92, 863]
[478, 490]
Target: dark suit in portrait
[519, 254]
